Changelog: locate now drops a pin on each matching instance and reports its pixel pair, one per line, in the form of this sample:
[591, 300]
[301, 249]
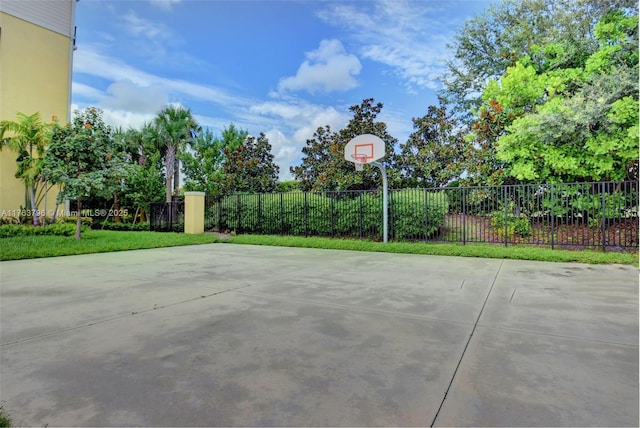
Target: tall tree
[172, 128]
[84, 158]
[315, 160]
[492, 41]
[250, 167]
[324, 167]
[581, 123]
[146, 183]
[432, 156]
[203, 161]
[28, 137]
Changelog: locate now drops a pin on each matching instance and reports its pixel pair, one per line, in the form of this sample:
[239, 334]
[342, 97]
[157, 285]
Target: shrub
[9, 220]
[331, 214]
[571, 202]
[111, 225]
[507, 222]
[59, 229]
[418, 214]
[85, 221]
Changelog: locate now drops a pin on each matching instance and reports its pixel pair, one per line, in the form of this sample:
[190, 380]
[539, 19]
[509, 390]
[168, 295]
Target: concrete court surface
[230, 335]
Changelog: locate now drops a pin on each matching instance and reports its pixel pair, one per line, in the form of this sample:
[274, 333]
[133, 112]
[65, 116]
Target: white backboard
[364, 149]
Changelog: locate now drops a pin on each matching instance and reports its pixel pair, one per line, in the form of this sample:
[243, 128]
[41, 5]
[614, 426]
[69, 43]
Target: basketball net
[359, 161]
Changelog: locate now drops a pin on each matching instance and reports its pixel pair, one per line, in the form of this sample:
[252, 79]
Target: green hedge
[414, 214]
[111, 225]
[59, 229]
[418, 214]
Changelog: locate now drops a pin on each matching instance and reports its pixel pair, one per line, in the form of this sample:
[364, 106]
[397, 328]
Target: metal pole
[385, 201]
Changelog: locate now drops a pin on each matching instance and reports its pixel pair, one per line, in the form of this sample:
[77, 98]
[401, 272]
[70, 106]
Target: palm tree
[26, 135]
[171, 129]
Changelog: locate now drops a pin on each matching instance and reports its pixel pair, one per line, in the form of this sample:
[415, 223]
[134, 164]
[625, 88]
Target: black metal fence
[600, 215]
[167, 216]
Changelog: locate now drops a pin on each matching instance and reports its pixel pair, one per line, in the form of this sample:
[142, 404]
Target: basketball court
[230, 335]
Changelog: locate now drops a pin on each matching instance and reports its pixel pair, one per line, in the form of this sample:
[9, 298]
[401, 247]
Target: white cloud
[90, 62]
[125, 95]
[284, 152]
[302, 119]
[140, 27]
[399, 34]
[87, 92]
[117, 118]
[328, 68]
[126, 119]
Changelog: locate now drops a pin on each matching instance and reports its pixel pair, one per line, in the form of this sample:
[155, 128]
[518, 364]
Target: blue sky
[280, 67]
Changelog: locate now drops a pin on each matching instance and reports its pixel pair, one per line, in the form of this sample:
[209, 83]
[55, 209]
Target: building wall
[36, 48]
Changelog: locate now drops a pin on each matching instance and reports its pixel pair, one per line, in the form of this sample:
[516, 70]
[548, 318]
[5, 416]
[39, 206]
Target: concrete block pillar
[193, 212]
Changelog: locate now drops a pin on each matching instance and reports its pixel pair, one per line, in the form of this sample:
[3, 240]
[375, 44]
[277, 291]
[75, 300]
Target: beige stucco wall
[34, 77]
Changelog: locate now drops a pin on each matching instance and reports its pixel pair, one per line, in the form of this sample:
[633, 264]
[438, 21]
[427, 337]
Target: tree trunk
[170, 159]
[167, 184]
[55, 212]
[116, 208]
[79, 220]
[176, 176]
[34, 208]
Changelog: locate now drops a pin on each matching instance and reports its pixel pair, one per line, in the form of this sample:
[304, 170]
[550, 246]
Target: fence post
[333, 220]
[281, 213]
[259, 224]
[506, 218]
[193, 212]
[306, 216]
[553, 215]
[426, 215]
[239, 219]
[604, 217]
[360, 203]
[219, 203]
[464, 216]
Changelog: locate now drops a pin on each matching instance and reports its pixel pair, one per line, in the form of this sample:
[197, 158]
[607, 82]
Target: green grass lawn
[94, 241]
[99, 241]
[440, 249]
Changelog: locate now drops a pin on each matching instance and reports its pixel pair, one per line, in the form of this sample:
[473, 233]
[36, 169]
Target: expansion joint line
[464, 351]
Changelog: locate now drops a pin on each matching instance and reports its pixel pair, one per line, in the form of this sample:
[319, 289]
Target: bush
[85, 221]
[508, 223]
[9, 220]
[344, 214]
[111, 225]
[59, 229]
[571, 202]
[418, 214]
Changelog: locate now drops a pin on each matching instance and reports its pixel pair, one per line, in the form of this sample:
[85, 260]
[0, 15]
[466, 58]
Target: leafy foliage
[203, 163]
[28, 137]
[508, 223]
[288, 186]
[415, 213]
[58, 229]
[110, 225]
[250, 167]
[85, 159]
[145, 183]
[432, 157]
[575, 124]
[485, 46]
[323, 164]
[172, 128]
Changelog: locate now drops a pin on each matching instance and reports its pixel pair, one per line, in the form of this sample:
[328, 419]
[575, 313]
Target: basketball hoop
[367, 148]
[359, 160]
